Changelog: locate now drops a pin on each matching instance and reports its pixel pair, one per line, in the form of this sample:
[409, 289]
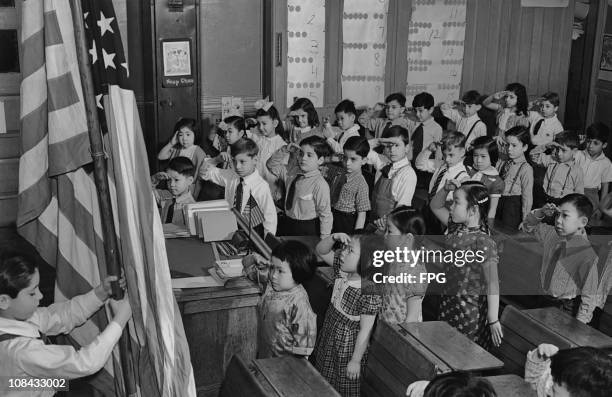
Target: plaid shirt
[354, 194]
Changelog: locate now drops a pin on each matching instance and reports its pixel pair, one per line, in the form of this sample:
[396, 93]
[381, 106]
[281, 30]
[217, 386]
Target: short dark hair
[347, 106]
[320, 145]
[551, 97]
[583, 205]
[521, 133]
[459, 384]
[424, 99]
[568, 138]
[182, 165]
[485, 142]
[236, 121]
[397, 131]
[472, 97]
[307, 106]
[192, 124]
[583, 371]
[244, 145]
[396, 96]
[408, 220]
[357, 144]
[16, 271]
[453, 138]
[302, 261]
[598, 131]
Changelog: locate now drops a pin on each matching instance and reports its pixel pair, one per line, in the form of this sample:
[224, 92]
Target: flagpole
[111, 252]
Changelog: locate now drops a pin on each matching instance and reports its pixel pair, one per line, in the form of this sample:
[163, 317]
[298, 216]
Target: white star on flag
[108, 59]
[99, 101]
[104, 24]
[94, 53]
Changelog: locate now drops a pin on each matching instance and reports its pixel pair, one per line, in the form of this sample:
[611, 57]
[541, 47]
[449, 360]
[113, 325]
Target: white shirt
[28, 356]
[596, 171]
[465, 124]
[432, 131]
[344, 136]
[457, 171]
[254, 185]
[548, 129]
[266, 146]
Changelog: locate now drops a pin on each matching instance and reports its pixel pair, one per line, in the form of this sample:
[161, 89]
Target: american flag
[58, 209]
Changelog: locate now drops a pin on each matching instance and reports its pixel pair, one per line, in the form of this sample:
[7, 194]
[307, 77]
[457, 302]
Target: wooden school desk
[525, 330]
[402, 354]
[567, 327]
[511, 386]
[274, 377]
[219, 321]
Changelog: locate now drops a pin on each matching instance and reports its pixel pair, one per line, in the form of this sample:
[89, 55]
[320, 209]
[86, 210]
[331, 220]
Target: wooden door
[176, 72]
[10, 79]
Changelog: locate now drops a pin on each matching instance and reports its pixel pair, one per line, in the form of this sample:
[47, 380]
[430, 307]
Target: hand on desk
[256, 267]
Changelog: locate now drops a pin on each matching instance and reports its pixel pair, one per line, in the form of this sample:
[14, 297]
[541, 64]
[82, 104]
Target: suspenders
[472, 129]
[552, 175]
[515, 178]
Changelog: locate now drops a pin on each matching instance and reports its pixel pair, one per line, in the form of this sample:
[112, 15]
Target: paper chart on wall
[305, 50]
[436, 37]
[364, 54]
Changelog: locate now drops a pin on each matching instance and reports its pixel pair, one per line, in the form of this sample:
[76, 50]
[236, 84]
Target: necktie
[436, 184]
[291, 192]
[170, 213]
[45, 338]
[417, 141]
[506, 168]
[387, 126]
[537, 126]
[385, 170]
[552, 263]
[339, 181]
[238, 195]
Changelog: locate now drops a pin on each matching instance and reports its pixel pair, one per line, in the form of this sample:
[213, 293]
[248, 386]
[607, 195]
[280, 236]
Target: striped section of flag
[57, 203]
[157, 322]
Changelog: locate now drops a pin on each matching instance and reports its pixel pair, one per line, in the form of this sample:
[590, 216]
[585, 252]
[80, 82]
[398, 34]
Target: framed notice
[176, 61]
[605, 66]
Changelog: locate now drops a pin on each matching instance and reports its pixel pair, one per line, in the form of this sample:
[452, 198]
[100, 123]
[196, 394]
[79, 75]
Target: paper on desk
[195, 282]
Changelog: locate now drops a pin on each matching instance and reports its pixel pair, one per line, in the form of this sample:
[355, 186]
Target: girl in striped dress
[341, 351]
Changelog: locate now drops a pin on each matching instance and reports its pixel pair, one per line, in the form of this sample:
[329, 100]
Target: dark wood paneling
[505, 42]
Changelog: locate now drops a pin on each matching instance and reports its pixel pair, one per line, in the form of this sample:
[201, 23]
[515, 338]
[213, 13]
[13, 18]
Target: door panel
[177, 93]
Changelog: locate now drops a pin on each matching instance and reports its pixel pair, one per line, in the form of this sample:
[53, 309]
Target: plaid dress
[463, 304]
[336, 341]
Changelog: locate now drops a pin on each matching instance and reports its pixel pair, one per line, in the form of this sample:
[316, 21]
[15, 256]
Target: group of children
[403, 176]
[393, 175]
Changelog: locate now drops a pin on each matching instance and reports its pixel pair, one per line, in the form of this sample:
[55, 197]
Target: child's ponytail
[477, 195]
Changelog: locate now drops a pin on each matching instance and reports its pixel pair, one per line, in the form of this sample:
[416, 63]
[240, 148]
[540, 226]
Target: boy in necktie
[179, 179]
[569, 262]
[245, 188]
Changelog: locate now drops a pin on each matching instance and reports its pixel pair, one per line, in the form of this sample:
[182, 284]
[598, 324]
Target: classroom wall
[505, 42]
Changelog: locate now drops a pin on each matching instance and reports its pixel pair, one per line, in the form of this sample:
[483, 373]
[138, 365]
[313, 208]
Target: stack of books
[226, 270]
[210, 220]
